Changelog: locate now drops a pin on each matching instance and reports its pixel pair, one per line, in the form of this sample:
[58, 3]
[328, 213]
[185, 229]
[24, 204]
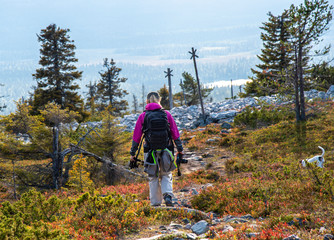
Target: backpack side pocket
[168, 161]
[150, 164]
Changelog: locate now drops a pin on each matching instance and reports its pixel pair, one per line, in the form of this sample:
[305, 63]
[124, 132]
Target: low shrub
[267, 115]
[90, 215]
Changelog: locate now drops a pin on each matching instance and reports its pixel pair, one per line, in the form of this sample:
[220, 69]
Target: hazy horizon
[144, 37]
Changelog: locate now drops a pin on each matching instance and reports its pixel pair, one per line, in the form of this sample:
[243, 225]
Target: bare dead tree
[193, 57]
[169, 74]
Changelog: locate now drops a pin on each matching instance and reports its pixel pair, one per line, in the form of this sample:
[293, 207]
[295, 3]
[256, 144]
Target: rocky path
[189, 230]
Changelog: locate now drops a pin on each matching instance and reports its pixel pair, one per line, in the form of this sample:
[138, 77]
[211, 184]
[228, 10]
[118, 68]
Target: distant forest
[18, 81]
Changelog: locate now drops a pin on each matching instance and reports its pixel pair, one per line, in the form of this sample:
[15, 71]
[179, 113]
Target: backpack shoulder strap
[144, 127]
[168, 125]
[163, 110]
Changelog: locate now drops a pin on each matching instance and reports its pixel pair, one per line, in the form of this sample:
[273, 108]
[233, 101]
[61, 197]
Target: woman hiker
[159, 130]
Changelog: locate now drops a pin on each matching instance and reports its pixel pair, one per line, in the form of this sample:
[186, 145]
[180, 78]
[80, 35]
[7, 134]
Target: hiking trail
[213, 158]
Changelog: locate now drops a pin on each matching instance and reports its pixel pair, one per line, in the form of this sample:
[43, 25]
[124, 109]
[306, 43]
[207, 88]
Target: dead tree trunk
[296, 84]
[169, 74]
[193, 57]
[301, 80]
[110, 168]
[56, 158]
[14, 182]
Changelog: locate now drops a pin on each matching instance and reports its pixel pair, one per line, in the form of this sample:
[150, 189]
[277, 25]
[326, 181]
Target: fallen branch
[78, 150]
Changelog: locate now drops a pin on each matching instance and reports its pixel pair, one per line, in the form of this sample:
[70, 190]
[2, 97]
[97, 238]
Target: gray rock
[322, 95]
[219, 112]
[200, 227]
[191, 236]
[248, 217]
[292, 237]
[328, 237]
[227, 228]
[188, 226]
[233, 219]
[194, 191]
[226, 218]
[250, 235]
[203, 237]
[223, 115]
[226, 125]
[195, 158]
[330, 90]
[212, 140]
[152, 238]
[239, 220]
[176, 226]
[162, 228]
[189, 125]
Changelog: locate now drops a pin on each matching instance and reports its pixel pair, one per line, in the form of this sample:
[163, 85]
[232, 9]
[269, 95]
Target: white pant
[160, 185]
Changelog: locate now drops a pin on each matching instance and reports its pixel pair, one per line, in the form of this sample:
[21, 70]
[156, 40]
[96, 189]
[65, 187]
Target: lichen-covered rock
[200, 227]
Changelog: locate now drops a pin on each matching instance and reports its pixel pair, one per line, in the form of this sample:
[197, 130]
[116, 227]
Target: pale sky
[94, 23]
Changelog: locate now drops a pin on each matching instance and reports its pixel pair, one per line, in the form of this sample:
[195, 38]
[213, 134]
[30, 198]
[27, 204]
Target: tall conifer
[164, 95]
[91, 96]
[191, 90]
[57, 75]
[309, 21]
[135, 104]
[275, 56]
[108, 88]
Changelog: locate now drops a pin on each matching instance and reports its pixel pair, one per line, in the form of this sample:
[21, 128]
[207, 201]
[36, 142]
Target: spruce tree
[275, 57]
[309, 21]
[164, 95]
[109, 91]
[135, 104]
[191, 90]
[179, 97]
[57, 75]
[91, 96]
[322, 76]
[143, 97]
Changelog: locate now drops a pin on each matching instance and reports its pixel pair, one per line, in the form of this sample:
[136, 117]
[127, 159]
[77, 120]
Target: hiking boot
[168, 200]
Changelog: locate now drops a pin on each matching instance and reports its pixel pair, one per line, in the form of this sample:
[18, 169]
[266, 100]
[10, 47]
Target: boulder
[292, 237]
[330, 92]
[226, 125]
[227, 228]
[200, 227]
[220, 112]
[328, 237]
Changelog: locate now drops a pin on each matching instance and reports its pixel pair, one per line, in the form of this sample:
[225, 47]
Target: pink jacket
[137, 133]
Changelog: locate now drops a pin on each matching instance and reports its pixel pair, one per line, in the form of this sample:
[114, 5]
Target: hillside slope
[245, 183]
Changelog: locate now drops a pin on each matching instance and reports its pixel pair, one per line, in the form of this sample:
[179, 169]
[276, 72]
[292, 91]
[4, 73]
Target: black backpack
[156, 129]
